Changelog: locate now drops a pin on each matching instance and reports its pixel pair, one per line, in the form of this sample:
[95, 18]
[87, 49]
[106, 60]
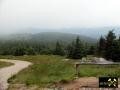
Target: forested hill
[50, 37]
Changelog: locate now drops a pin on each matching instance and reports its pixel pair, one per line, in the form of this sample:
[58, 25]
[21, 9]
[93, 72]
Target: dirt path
[7, 72]
[84, 83]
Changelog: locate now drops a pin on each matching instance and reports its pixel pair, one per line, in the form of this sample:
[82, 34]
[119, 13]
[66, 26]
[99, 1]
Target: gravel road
[7, 72]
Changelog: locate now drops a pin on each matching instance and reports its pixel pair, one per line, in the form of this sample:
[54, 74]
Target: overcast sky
[17, 15]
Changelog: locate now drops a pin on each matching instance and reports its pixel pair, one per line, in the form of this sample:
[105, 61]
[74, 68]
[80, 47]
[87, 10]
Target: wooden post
[77, 68]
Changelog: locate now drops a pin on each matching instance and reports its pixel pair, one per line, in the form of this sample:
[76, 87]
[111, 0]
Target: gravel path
[7, 72]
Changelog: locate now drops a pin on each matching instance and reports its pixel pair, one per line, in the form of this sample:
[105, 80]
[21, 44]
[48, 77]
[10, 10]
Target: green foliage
[70, 50]
[59, 50]
[46, 70]
[91, 50]
[43, 46]
[46, 51]
[98, 70]
[50, 69]
[10, 79]
[19, 52]
[30, 51]
[102, 46]
[4, 64]
[76, 50]
[109, 47]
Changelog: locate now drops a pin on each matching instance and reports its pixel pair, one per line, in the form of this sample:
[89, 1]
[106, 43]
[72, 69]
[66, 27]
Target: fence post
[77, 68]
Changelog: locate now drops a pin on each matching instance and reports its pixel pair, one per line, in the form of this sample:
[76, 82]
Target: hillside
[49, 37]
[94, 32]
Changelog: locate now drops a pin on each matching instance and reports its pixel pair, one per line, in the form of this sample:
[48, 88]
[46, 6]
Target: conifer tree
[102, 46]
[19, 52]
[110, 45]
[70, 49]
[78, 49]
[59, 50]
[91, 50]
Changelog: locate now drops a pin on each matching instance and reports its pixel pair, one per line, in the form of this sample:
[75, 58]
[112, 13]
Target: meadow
[50, 69]
[4, 64]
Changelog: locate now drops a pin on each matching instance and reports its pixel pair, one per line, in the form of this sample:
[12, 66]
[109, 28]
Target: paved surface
[7, 72]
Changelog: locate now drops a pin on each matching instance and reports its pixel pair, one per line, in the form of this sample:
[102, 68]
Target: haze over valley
[59, 44]
[88, 18]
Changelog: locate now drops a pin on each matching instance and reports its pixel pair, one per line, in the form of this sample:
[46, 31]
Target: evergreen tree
[19, 52]
[119, 39]
[91, 50]
[116, 52]
[78, 49]
[102, 46]
[59, 50]
[110, 45]
[70, 49]
[30, 51]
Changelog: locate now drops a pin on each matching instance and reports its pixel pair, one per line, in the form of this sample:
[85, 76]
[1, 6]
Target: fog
[22, 15]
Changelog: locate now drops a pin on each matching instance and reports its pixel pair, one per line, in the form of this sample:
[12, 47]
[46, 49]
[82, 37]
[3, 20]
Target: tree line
[107, 47]
[19, 48]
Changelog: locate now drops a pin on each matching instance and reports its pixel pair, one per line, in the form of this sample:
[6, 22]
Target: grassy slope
[46, 70]
[4, 64]
[50, 69]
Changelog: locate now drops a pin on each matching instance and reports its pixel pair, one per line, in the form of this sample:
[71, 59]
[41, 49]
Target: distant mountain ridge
[50, 37]
[95, 32]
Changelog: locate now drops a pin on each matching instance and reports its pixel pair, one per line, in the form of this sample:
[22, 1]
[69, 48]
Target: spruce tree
[102, 46]
[78, 49]
[110, 45]
[116, 52]
[119, 39]
[91, 50]
[59, 50]
[30, 51]
[70, 49]
[19, 52]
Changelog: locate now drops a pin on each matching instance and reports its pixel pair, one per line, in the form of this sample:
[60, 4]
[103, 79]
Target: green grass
[99, 70]
[4, 64]
[47, 70]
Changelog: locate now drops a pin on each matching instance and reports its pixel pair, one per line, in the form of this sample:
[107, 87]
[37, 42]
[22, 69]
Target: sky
[20, 15]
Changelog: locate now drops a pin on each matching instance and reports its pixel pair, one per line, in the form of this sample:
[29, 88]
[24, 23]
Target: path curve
[7, 72]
